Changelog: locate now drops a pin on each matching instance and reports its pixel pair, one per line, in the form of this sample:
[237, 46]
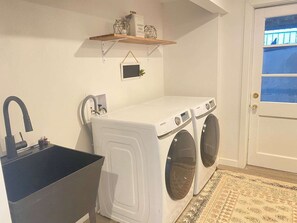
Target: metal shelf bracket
[106, 49]
[149, 52]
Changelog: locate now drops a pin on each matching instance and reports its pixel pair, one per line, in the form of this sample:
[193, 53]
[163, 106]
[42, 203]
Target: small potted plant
[141, 72]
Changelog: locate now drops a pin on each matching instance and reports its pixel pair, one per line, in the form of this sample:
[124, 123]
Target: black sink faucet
[11, 146]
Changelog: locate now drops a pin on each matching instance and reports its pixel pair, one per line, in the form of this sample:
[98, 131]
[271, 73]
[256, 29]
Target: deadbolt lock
[255, 95]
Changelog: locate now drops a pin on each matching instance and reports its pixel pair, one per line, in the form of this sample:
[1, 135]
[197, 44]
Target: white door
[273, 117]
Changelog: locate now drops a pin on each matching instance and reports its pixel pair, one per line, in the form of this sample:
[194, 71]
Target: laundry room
[186, 81]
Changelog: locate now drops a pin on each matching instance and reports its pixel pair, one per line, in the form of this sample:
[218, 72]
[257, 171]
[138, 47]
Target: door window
[279, 70]
[180, 165]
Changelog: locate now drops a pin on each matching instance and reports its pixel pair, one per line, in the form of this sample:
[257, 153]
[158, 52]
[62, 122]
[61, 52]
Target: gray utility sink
[52, 185]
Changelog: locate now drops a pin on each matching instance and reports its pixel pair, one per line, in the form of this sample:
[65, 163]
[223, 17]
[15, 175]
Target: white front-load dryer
[206, 132]
[207, 138]
[150, 159]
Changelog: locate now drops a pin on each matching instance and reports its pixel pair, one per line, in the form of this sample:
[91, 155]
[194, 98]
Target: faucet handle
[21, 144]
[21, 136]
[94, 111]
[101, 109]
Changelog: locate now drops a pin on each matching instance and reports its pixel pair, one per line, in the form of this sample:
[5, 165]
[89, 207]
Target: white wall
[190, 66]
[231, 42]
[207, 61]
[47, 60]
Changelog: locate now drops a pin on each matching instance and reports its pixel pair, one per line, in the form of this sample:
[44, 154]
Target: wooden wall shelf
[115, 38]
[131, 39]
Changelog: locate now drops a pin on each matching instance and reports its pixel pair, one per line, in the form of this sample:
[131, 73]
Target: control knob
[207, 106]
[177, 120]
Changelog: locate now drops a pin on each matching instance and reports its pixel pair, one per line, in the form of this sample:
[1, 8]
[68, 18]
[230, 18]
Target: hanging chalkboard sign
[130, 70]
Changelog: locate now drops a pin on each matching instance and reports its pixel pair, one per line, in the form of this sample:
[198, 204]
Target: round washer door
[210, 138]
[180, 165]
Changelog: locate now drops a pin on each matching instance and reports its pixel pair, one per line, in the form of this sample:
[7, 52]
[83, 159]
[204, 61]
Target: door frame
[250, 7]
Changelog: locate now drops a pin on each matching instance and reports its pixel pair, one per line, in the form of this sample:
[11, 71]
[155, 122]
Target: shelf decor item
[121, 26]
[136, 23]
[141, 72]
[150, 32]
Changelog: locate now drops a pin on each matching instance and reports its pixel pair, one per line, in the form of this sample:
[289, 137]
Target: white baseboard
[228, 162]
[83, 219]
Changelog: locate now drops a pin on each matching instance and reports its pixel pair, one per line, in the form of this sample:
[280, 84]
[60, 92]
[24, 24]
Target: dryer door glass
[180, 165]
[210, 138]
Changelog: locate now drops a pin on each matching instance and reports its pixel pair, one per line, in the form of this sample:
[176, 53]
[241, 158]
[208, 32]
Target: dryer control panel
[204, 108]
[173, 122]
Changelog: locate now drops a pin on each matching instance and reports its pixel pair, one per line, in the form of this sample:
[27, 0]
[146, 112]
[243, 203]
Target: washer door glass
[180, 165]
[210, 138]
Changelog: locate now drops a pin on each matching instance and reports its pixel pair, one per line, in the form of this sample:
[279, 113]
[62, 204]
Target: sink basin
[53, 185]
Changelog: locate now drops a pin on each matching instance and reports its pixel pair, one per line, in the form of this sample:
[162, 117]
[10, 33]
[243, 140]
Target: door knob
[255, 95]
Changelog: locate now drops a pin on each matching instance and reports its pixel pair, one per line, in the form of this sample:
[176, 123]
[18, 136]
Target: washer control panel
[173, 122]
[185, 116]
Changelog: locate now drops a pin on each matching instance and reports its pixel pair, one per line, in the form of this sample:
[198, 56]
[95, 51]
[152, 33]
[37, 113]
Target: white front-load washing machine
[150, 160]
[206, 132]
